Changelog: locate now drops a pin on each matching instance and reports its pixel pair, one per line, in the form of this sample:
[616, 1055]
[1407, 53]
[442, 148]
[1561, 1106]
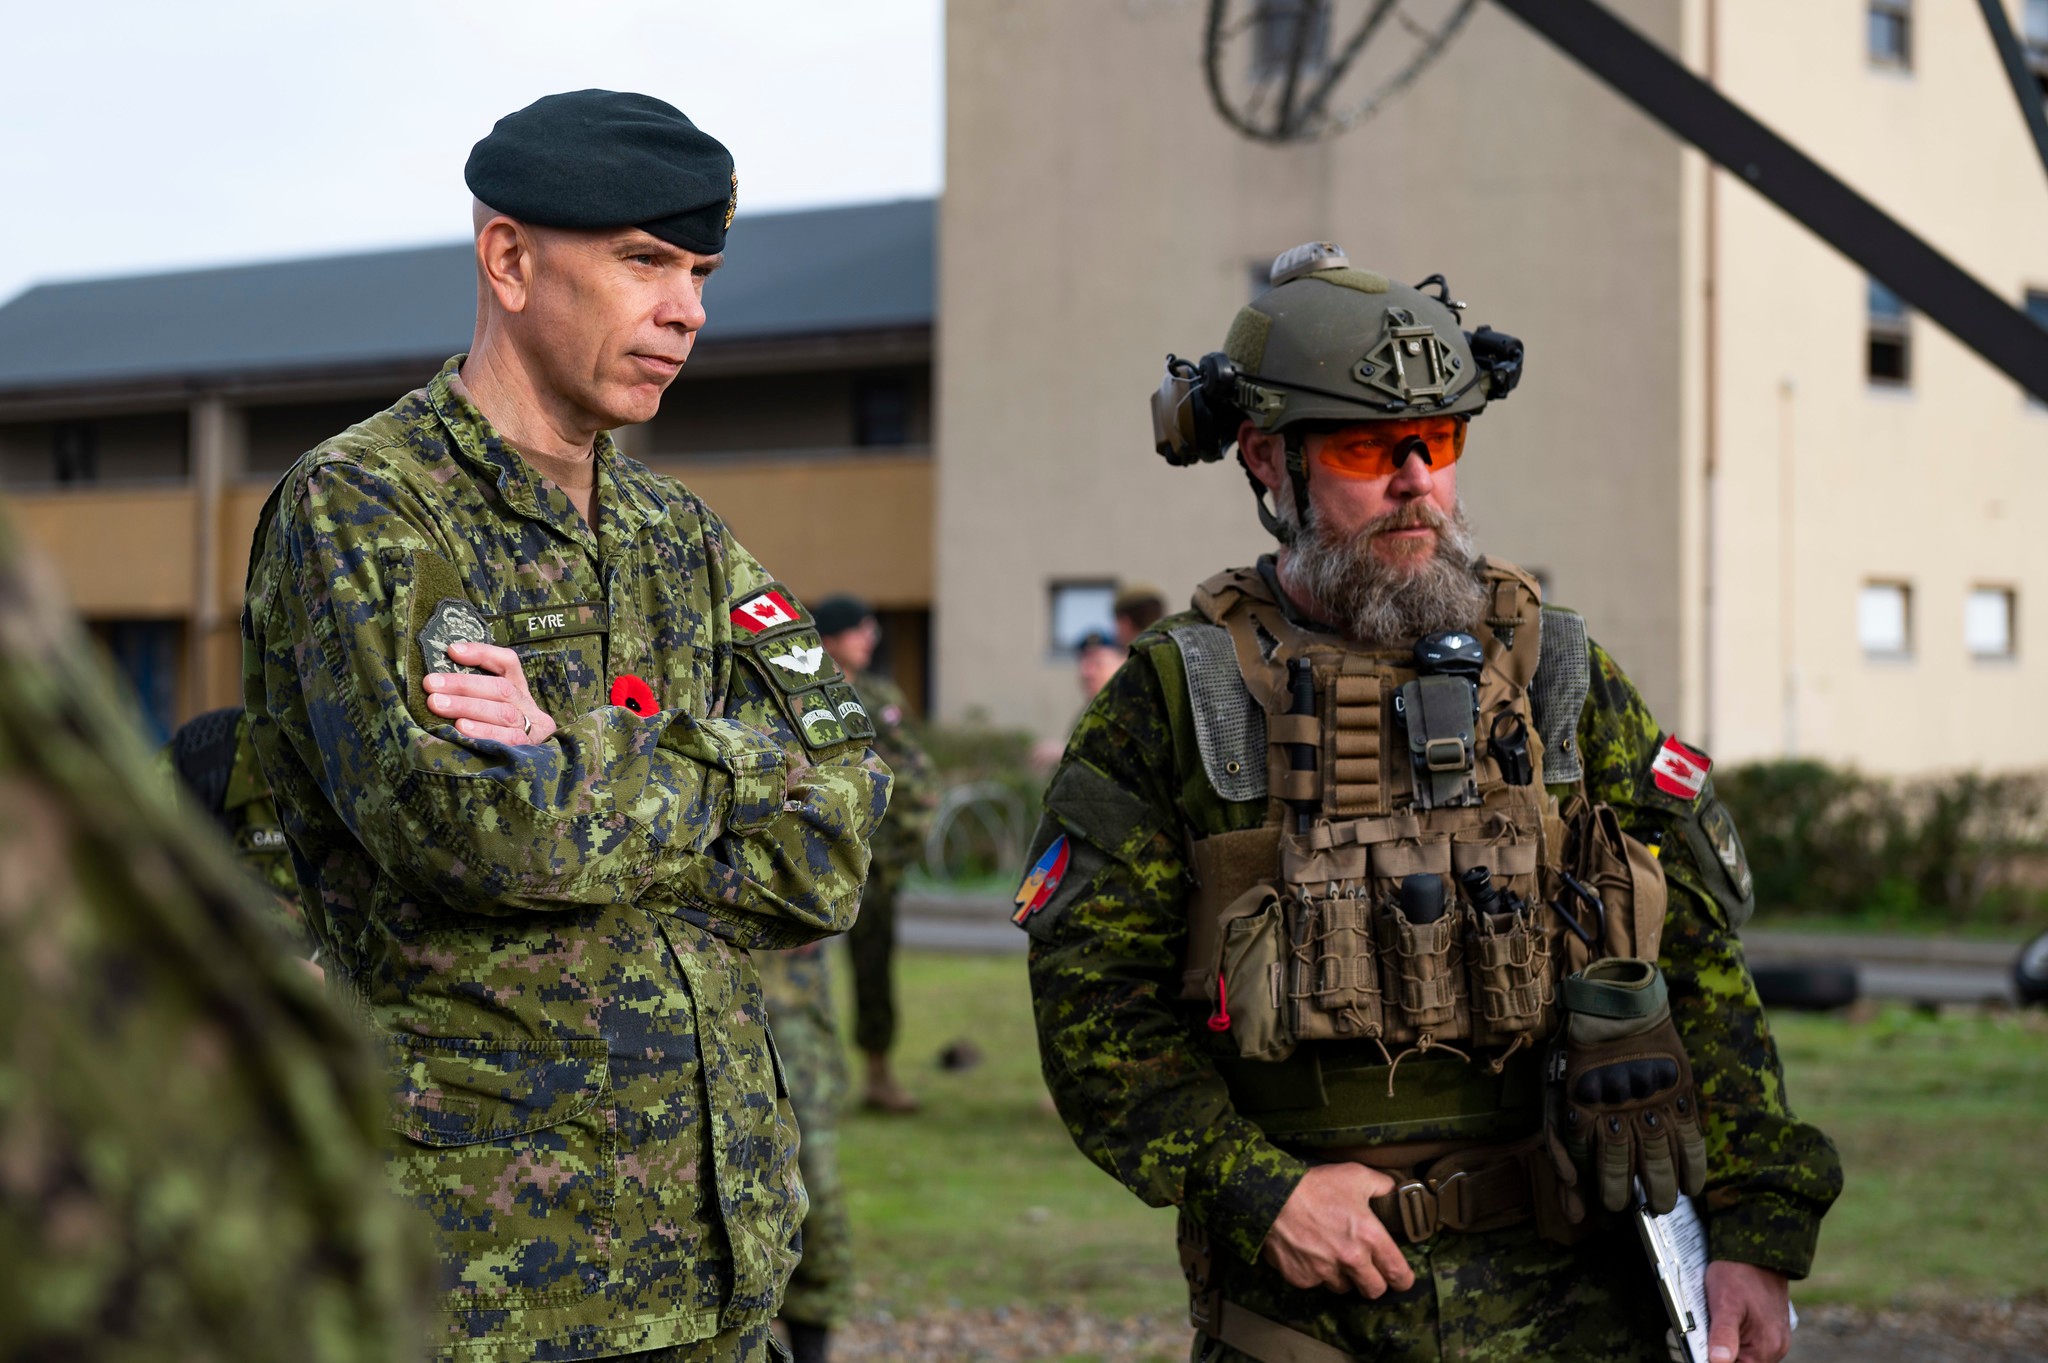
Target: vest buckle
[1417, 1203]
[1447, 754]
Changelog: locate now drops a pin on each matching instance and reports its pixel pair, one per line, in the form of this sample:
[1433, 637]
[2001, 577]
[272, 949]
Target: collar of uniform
[1268, 569]
[481, 443]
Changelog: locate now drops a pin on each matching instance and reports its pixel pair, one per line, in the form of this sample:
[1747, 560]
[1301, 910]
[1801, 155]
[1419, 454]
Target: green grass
[1942, 1122]
[982, 1200]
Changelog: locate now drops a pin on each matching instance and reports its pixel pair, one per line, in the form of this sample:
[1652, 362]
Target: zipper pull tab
[1219, 1021]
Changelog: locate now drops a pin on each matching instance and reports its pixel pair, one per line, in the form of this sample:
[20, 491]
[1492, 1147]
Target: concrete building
[1803, 520]
[144, 421]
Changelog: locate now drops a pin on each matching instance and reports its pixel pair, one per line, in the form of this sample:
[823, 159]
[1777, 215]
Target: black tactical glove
[1628, 1099]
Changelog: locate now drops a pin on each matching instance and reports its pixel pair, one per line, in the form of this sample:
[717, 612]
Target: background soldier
[187, 1130]
[797, 985]
[851, 635]
[216, 768]
[1270, 989]
[539, 874]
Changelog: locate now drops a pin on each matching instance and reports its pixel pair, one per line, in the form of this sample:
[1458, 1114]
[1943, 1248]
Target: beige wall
[1097, 214]
[1826, 481]
[859, 524]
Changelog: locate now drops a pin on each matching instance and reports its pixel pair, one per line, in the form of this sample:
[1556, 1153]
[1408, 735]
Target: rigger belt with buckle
[1438, 1187]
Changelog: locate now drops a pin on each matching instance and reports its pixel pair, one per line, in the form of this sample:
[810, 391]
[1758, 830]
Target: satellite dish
[1297, 70]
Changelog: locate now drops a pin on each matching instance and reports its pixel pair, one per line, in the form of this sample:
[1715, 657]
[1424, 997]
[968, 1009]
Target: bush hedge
[1953, 850]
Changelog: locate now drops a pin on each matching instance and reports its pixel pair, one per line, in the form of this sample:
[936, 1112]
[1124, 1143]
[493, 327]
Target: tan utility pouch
[1251, 1000]
[1333, 984]
[1508, 956]
[1626, 876]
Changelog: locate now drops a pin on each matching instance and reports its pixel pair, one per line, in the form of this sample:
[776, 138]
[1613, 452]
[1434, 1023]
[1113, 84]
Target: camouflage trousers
[753, 1344]
[872, 944]
[798, 988]
[1494, 1297]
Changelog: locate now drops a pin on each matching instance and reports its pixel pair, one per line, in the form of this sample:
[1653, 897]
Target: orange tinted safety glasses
[1374, 449]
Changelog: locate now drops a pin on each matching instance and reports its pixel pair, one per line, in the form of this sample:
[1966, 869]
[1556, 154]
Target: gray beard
[1379, 603]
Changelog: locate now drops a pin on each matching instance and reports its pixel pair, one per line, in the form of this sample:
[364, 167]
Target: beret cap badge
[732, 203]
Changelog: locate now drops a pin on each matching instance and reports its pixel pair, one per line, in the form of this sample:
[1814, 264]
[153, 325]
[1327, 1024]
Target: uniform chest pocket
[566, 676]
[509, 1150]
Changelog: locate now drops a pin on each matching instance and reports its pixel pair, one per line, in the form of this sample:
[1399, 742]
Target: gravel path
[1990, 1333]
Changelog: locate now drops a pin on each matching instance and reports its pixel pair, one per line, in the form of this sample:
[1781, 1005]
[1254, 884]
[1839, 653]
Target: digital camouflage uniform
[553, 940]
[188, 1131]
[1131, 1066]
[898, 847]
[798, 987]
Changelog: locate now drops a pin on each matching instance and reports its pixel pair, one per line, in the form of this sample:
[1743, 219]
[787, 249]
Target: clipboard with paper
[1677, 1245]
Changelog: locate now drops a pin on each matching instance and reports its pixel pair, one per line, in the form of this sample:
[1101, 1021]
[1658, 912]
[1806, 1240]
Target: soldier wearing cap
[1378, 926]
[554, 755]
[852, 634]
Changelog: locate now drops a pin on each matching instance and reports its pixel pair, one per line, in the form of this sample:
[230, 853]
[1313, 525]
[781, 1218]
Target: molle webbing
[1354, 757]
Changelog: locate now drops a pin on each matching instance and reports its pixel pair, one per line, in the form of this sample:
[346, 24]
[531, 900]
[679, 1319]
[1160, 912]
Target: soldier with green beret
[852, 634]
[188, 1131]
[1378, 925]
[555, 755]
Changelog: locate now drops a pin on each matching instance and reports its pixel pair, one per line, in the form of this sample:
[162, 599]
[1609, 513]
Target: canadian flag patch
[763, 611]
[1680, 771]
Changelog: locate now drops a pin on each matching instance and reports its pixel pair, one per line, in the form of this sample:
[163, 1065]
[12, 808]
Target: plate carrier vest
[1319, 985]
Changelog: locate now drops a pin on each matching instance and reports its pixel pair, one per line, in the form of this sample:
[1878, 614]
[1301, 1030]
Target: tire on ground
[1812, 986]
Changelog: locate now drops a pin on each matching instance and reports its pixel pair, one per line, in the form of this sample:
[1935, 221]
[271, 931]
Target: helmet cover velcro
[1246, 343]
[1365, 281]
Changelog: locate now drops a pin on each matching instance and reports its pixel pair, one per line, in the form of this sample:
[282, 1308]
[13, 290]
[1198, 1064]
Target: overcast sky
[138, 135]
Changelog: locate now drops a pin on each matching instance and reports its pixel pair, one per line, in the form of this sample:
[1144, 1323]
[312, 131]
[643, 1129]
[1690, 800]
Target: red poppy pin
[635, 694]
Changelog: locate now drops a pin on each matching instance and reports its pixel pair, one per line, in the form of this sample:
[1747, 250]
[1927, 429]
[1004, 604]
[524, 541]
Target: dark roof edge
[888, 343]
[445, 244]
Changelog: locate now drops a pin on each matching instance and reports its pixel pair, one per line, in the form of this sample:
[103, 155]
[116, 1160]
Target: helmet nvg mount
[1331, 345]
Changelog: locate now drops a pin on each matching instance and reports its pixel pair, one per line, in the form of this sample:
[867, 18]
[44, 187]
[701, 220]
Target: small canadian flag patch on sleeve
[1680, 771]
[763, 611]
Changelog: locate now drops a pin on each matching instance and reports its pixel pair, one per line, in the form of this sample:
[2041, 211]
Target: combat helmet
[1329, 344]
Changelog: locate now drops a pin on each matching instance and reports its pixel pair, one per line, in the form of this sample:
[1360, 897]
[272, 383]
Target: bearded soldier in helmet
[1375, 922]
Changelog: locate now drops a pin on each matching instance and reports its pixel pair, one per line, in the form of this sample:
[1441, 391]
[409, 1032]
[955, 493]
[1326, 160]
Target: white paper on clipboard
[1677, 1246]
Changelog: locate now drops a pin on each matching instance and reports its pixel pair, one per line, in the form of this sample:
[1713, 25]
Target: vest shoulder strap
[1558, 694]
[1230, 727]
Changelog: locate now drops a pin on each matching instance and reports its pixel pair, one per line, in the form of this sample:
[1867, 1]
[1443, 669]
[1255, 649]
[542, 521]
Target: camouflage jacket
[188, 1129]
[900, 843]
[553, 939]
[1129, 1064]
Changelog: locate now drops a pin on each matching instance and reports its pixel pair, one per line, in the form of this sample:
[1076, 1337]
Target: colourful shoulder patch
[1679, 771]
[766, 611]
[1042, 880]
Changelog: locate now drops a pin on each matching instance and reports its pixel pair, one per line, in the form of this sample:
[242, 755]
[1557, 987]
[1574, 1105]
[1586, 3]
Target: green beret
[838, 614]
[599, 158]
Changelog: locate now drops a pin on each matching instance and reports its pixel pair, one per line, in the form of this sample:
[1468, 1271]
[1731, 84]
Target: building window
[1889, 357]
[881, 411]
[1080, 609]
[1891, 34]
[1989, 622]
[75, 452]
[145, 653]
[1884, 620]
[1281, 25]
